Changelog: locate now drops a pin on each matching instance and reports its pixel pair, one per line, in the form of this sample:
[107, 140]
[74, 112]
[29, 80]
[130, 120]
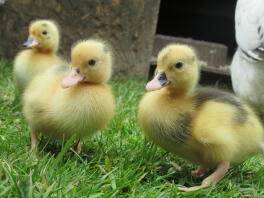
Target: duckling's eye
[178, 65]
[44, 33]
[92, 62]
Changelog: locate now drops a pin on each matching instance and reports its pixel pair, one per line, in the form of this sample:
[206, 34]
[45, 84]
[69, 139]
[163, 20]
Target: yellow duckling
[209, 127]
[61, 103]
[43, 42]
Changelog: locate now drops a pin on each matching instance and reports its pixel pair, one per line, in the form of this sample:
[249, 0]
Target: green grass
[116, 162]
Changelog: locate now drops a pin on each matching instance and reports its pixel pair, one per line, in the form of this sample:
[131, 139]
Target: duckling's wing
[216, 113]
[249, 23]
[203, 95]
[177, 130]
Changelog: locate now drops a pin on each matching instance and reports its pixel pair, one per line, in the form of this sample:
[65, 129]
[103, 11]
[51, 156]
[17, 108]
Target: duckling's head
[43, 35]
[177, 69]
[91, 62]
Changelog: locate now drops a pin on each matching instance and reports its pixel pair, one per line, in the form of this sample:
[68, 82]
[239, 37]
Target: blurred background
[208, 20]
[137, 29]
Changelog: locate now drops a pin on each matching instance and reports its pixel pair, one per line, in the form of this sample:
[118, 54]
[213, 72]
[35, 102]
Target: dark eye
[44, 32]
[178, 65]
[92, 62]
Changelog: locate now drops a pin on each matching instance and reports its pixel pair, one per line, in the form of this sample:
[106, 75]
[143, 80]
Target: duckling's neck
[84, 83]
[180, 101]
[178, 93]
[44, 51]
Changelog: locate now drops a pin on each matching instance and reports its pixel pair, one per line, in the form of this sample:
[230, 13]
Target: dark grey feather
[179, 130]
[203, 95]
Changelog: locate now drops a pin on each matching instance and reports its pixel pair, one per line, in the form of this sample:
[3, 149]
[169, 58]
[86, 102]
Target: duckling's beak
[73, 78]
[31, 42]
[159, 81]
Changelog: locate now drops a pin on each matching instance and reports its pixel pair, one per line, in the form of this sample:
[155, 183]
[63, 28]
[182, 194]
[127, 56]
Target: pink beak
[159, 81]
[73, 78]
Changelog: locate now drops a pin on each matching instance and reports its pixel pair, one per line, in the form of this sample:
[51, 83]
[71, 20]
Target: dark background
[208, 20]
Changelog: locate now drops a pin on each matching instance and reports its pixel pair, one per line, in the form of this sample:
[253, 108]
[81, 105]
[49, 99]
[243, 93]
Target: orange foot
[186, 189]
[199, 172]
[222, 168]
[34, 138]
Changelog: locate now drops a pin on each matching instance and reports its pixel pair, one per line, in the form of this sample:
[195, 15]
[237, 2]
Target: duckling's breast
[28, 64]
[167, 122]
[80, 110]
[171, 134]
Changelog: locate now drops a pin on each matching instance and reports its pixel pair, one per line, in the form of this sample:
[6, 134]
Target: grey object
[2, 1]
[247, 67]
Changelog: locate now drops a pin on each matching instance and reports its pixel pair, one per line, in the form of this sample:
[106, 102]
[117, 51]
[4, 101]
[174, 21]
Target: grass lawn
[116, 162]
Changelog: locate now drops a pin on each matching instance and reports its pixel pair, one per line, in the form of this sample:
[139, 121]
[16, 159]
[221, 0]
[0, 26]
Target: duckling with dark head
[208, 127]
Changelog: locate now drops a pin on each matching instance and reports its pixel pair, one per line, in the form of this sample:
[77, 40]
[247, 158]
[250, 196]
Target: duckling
[63, 102]
[43, 42]
[206, 126]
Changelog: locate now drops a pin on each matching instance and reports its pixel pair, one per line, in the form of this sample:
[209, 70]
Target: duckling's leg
[222, 168]
[200, 171]
[77, 145]
[34, 138]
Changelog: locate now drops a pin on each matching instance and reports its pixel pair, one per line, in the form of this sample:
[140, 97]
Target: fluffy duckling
[43, 42]
[61, 103]
[209, 127]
